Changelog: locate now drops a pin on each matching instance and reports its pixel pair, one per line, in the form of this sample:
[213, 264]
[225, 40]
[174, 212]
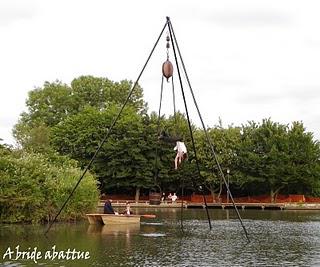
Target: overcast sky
[247, 60]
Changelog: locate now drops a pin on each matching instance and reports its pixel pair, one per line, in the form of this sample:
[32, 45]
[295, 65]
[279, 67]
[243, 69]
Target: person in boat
[180, 147]
[108, 209]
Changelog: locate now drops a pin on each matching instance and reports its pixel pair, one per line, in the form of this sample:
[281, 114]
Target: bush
[33, 187]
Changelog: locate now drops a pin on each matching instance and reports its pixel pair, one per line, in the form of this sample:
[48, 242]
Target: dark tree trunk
[137, 194]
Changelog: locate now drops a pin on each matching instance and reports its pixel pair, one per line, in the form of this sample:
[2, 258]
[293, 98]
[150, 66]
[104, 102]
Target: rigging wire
[176, 124]
[156, 169]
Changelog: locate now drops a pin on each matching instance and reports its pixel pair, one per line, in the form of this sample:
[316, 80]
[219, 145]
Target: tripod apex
[168, 18]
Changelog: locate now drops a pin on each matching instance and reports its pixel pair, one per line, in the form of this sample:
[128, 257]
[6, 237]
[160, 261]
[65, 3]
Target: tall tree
[54, 102]
[225, 142]
[122, 161]
[274, 157]
[304, 155]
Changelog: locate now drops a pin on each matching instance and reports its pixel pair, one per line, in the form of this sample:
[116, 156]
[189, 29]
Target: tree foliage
[263, 158]
[33, 188]
[51, 104]
[277, 157]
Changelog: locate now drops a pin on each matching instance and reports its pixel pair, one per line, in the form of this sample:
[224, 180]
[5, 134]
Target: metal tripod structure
[177, 54]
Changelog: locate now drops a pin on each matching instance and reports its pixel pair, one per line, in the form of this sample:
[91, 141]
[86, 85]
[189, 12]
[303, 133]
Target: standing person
[181, 153]
[174, 198]
[108, 209]
[163, 198]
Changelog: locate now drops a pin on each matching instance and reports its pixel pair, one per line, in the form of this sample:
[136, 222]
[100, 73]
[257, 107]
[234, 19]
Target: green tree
[225, 142]
[33, 188]
[122, 161]
[54, 102]
[275, 157]
[304, 156]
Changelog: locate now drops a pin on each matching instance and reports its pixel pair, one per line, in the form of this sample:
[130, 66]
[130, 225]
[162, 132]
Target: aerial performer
[180, 148]
[181, 153]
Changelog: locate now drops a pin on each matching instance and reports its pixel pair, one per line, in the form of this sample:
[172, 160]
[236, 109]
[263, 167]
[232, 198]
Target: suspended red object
[167, 69]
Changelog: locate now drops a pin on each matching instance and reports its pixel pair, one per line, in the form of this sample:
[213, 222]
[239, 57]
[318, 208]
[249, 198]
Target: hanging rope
[156, 169]
[176, 124]
[174, 102]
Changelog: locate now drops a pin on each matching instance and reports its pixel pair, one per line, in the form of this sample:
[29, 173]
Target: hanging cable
[156, 169]
[167, 68]
[176, 124]
[168, 45]
[174, 102]
[206, 133]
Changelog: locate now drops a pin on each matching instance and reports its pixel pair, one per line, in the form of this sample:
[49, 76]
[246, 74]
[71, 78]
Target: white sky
[247, 60]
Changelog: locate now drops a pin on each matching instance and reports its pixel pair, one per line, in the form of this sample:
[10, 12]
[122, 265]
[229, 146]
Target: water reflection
[278, 238]
[121, 229]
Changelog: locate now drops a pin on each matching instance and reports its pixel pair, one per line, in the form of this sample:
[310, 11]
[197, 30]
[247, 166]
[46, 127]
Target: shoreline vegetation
[219, 205]
[64, 124]
[34, 187]
[282, 202]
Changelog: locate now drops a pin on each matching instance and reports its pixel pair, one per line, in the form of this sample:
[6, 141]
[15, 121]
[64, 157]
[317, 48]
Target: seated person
[108, 208]
[127, 210]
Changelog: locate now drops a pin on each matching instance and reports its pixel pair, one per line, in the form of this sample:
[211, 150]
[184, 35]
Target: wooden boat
[94, 219]
[120, 219]
[111, 219]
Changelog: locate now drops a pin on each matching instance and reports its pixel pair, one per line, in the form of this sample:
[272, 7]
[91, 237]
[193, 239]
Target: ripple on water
[12, 264]
[151, 223]
[154, 235]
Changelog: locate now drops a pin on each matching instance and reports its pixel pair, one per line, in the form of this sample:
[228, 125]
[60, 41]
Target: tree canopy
[263, 158]
[51, 104]
[33, 187]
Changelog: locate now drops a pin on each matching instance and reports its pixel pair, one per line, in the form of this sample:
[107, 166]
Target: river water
[278, 238]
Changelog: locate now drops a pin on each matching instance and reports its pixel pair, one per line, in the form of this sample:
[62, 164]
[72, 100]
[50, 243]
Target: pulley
[167, 69]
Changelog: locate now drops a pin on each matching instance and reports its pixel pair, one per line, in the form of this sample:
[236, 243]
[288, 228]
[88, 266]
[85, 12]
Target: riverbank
[223, 205]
